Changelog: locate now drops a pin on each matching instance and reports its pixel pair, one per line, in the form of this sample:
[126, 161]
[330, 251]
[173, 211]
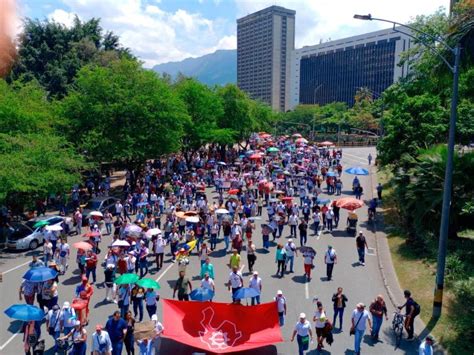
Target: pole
[448, 177]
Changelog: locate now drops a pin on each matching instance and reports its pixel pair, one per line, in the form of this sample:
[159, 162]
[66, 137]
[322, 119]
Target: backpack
[417, 308]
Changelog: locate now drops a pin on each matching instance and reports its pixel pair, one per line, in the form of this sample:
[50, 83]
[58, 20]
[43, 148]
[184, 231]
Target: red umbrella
[82, 245]
[287, 198]
[349, 203]
[233, 191]
[255, 156]
[91, 234]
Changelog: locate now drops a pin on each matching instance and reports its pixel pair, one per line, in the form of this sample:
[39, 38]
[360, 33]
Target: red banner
[221, 327]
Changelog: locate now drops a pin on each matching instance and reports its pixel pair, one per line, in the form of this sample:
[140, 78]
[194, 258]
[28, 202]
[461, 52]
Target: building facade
[265, 42]
[333, 71]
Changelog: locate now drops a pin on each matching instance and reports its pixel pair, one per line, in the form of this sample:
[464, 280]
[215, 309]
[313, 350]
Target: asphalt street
[360, 283]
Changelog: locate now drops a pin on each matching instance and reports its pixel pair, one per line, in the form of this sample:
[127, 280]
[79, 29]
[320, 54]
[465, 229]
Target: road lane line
[164, 272]
[9, 340]
[355, 157]
[16, 267]
[306, 290]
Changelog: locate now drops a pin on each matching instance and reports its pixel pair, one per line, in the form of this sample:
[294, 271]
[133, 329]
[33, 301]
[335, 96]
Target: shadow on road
[340, 234]
[73, 280]
[301, 279]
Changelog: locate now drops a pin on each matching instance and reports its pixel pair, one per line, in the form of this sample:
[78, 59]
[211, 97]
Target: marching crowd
[165, 210]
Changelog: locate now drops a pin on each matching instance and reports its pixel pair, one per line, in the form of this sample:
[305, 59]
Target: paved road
[360, 283]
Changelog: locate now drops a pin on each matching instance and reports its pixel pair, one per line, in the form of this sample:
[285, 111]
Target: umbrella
[141, 204]
[296, 135]
[233, 191]
[148, 283]
[82, 245]
[133, 228]
[127, 279]
[326, 143]
[349, 203]
[153, 231]
[222, 211]
[180, 214]
[40, 224]
[55, 228]
[120, 243]
[222, 163]
[187, 246]
[287, 198]
[192, 219]
[256, 156]
[190, 213]
[255, 218]
[331, 173]
[323, 200]
[307, 249]
[91, 234]
[246, 292]
[24, 312]
[357, 170]
[301, 141]
[96, 214]
[40, 274]
[201, 294]
[267, 226]
[273, 150]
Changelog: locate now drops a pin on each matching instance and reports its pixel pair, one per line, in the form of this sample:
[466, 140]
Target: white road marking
[9, 340]
[306, 290]
[164, 272]
[15, 268]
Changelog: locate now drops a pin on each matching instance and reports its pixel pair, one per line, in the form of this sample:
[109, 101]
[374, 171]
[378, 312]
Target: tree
[52, 53]
[123, 113]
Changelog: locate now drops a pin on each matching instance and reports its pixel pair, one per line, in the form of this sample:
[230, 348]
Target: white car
[23, 236]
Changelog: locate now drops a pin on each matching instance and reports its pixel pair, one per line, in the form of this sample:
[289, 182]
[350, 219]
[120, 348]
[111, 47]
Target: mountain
[218, 68]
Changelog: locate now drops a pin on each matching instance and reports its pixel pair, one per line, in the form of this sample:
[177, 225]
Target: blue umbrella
[331, 173]
[322, 201]
[40, 274]
[24, 312]
[357, 170]
[246, 292]
[201, 294]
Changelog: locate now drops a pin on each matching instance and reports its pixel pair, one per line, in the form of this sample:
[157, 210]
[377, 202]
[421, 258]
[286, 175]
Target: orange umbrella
[180, 214]
[255, 156]
[91, 234]
[233, 191]
[349, 203]
[190, 213]
[82, 245]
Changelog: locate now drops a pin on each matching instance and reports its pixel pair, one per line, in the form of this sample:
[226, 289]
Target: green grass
[417, 273]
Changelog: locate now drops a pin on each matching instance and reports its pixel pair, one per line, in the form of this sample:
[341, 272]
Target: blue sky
[159, 31]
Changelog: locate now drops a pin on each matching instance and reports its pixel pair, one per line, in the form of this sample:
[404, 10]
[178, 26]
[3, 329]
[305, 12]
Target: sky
[159, 31]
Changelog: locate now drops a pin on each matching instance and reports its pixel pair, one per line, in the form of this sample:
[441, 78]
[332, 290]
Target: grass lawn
[418, 275]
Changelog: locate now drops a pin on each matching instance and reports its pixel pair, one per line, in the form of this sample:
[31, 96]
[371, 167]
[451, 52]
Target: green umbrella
[148, 283]
[126, 279]
[40, 224]
[273, 150]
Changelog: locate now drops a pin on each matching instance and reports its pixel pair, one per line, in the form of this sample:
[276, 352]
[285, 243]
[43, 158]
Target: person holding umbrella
[151, 299]
[208, 283]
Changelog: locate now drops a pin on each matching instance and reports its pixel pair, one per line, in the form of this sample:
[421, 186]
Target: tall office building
[333, 71]
[265, 40]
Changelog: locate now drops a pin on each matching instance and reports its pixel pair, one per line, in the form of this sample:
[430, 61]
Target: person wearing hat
[156, 341]
[281, 305]
[360, 318]
[426, 346]
[67, 318]
[79, 339]
[291, 252]
[255, 282]
[330, 258]
[303, 334]
[101, 343]
[53, 324]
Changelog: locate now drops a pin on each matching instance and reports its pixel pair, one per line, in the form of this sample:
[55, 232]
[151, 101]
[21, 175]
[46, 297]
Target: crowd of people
[165, 210]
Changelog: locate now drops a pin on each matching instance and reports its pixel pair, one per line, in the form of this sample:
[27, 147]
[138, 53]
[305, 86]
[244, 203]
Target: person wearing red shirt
[91, 265]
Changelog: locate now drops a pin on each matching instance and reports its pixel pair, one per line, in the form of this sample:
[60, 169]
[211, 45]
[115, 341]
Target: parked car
[23, 236]
[101, 204]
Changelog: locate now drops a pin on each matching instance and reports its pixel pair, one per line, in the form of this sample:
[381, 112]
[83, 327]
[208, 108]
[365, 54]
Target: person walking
[303, 228]
[320, 320]
[308, 259]
[234, 260]
[378, 309]
[123, 294]
[108, 220]
[183, 286]
[280, 259]
[329, 218]
[251, 254]
[143, 259]
[91, 265]
[281, 306]
[303, 334]
[330, 258]
[379, 191]
[412, 309]
[291, 252]
[159, 250]
[53, 324]
[117, 329]
[339, 300]
[137, 296]
[101, 343]
[109, 275]
[360, 317]
[293, 222]
[79, 339]
[151, 299]
[203, 253]
[361, 244]
[207, 267]
[426, 346]
[208, 282]
[129, 339]
[255, 282]
[236, 282]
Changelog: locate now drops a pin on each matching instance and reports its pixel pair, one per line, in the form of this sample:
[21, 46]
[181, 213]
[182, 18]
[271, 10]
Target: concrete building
[333, 71]
[265, 41]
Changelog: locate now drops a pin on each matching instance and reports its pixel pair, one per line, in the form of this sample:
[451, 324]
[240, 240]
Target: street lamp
[448, 174]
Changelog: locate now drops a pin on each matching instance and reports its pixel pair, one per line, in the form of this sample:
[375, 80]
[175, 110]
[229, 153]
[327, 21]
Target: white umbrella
[193, 219]
[222, 211]
[153, 231]
[54, 228]
[96, 214]
[256, 218]
[120, 243]
[133, 228]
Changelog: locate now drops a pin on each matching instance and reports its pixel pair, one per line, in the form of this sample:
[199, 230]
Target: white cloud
[324, 19]
[61, 16]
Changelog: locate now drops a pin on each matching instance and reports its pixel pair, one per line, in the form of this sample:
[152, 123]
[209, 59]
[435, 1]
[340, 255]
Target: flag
[221, 327]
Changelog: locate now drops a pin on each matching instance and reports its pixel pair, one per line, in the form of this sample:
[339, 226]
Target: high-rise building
[335, 70]
[265, 40]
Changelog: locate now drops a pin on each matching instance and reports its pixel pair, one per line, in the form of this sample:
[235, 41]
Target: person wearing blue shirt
[117, 329]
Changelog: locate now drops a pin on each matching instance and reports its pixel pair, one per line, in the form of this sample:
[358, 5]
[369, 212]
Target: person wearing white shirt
[320, 320]
[159, 247]
[101, 343]
[255, 282]
[426, 347]
[208, 283]
[293, 222]
[281, 305]
[303, 334]
[291, 252]
[360, 317]
[330, 258]
[235, 282]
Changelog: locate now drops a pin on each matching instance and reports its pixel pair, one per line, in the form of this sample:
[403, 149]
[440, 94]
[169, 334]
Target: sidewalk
[387, 270]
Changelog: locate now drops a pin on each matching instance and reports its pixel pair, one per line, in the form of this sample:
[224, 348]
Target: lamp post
[448, 174]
